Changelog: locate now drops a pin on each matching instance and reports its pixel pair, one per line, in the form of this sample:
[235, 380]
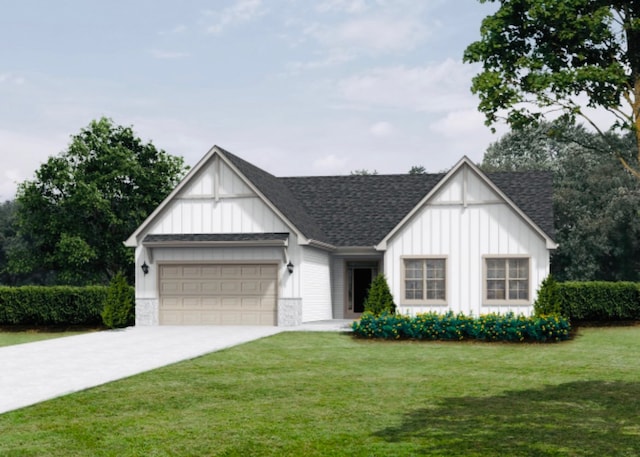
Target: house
[233, 244]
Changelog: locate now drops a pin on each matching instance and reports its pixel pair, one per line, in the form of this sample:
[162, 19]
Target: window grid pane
[425, 279]
[507, 279]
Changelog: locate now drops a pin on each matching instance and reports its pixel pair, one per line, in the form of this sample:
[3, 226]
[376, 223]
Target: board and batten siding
[315, 285]
[217, 201]
[465, 221]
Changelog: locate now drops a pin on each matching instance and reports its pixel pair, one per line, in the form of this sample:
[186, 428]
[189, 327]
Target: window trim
[424, 301]
[506, 301]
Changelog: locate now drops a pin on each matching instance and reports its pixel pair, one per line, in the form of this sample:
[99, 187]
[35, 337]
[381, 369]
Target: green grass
[326, 394]
[11, 337]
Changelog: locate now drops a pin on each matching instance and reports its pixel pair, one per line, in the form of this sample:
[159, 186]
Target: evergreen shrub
[593, 301]
[52, 305]
[457, 327]
[379, 300]
[119, 309]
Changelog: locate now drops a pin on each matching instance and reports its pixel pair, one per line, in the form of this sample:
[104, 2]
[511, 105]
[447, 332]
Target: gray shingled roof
[358, 210]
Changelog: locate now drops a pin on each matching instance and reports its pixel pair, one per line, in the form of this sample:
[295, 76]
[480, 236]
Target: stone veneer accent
[289, 312]
[147, 311]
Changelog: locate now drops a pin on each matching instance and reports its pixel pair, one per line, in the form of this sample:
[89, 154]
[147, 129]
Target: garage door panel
[218, 294]
[210, 287]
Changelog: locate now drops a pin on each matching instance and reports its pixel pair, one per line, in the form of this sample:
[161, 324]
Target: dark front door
[359, 277]
[362, 278]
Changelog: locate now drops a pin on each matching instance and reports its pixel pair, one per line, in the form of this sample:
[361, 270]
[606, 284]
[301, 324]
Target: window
[507, 280]
[425, 281]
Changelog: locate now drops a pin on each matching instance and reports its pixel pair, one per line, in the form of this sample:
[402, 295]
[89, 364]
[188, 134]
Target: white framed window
[506, 280]
[424, 280]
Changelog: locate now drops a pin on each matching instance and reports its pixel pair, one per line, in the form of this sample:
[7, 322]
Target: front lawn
[327, 394]
[9, 337]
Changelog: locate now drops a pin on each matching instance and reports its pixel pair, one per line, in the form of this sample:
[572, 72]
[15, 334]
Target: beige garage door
[218, 294]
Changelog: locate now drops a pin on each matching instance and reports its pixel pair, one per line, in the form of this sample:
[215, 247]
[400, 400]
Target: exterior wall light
[290, 267]
[145, 268]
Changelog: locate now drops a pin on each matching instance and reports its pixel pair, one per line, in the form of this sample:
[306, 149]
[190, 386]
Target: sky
[297, 87]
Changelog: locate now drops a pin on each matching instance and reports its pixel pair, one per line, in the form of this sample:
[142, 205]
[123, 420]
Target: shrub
[456, 327]
[547, 301]
[595, 301]
[118, 309]
[600, 301]
[379, 300]
[52, 305]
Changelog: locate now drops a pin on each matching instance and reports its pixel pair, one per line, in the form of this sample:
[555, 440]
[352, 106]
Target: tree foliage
[119, 308]
[417, 170]
[363, 172]
[86, 201]
[544, 56]
[596, 202]
[379, 299]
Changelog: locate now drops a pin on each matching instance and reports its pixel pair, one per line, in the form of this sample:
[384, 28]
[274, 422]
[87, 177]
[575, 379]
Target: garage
[218, 294]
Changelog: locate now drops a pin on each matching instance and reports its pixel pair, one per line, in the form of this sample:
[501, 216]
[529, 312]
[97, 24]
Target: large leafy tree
[84, 202]
[542, 57]
[596, 202]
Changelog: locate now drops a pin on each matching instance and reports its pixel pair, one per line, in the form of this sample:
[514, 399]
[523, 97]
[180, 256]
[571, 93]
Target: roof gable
[534, 200]
[365, 211]
[216, 176]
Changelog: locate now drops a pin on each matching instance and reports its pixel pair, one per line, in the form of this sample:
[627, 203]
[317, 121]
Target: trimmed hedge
[594, 301]
[457, 327]
[52, 305]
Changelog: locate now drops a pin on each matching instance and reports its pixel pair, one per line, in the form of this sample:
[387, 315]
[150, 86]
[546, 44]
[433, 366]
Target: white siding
[217, 201]
[233, 215]
[445, 227]
[316, 285]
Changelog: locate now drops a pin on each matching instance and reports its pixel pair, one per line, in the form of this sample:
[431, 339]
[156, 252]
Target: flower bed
[457, 327]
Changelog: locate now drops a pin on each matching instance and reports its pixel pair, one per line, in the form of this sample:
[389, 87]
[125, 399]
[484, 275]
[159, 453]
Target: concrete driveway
[34, 372]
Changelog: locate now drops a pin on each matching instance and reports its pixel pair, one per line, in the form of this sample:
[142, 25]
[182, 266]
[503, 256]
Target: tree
[363, 172]
[596, 202]
[84, 202]
[7, 234]
[417, 170]
[541, 57]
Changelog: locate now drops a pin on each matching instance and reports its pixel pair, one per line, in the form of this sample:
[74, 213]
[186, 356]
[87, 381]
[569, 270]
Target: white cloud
[346, 6]
[22, 154]
[335, 57]
[464, 132]
[9, 78]
[458, 123]
[435, 88]
[180, 28]
[168, 55]
[240, 12]
[330, 164]
[374, 34]
[382, 129]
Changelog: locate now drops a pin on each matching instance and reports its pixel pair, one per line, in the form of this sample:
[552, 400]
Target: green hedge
[456, 327]
[594, 301]
[52, 306]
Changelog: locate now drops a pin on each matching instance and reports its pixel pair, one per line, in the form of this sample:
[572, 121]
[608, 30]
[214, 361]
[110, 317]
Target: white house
[233, 244]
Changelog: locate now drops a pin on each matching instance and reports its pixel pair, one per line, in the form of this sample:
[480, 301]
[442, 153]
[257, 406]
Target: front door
[359, 278]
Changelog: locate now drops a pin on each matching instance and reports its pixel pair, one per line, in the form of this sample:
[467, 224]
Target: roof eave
[201, 244]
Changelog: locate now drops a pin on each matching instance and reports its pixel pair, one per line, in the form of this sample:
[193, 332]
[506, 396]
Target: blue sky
[296, 87]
